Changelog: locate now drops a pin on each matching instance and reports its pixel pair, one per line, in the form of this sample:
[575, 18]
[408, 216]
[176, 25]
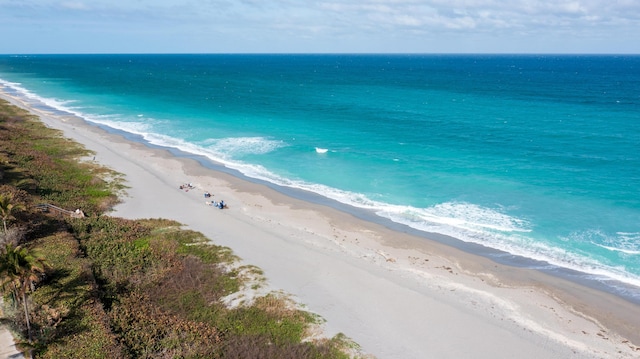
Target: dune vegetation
[89, 285]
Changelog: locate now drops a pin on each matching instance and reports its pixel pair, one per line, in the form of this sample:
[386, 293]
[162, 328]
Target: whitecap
[235, 147]
[471, 216]
[616, 249]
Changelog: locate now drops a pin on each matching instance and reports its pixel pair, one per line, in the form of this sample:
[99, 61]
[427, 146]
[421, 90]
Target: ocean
[529, 159]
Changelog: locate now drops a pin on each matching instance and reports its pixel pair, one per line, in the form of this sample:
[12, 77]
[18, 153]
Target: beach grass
[41, 160]
[119, 288]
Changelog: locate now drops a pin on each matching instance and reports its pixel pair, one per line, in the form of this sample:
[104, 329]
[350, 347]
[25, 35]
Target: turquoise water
[538, 156]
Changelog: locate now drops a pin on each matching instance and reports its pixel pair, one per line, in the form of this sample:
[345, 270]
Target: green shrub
[132, 289]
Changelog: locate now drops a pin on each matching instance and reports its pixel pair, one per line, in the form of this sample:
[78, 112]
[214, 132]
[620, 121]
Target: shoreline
[617, 288]
[396, 294]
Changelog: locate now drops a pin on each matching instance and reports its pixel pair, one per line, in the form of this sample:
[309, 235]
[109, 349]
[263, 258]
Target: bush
[130, 289]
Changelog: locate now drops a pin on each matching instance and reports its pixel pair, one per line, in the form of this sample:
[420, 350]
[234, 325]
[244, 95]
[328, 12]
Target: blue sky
[331, 26]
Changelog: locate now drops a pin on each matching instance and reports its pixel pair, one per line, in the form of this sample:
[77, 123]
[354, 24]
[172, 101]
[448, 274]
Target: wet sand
[395, 294]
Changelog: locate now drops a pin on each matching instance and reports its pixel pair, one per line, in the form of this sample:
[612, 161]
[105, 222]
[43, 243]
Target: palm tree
[20, 269]
[7, 207]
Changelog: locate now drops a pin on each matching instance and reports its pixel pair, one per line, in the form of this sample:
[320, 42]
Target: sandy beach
[396, 295]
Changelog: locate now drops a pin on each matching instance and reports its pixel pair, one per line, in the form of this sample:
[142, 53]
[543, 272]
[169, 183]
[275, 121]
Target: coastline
[397, 295]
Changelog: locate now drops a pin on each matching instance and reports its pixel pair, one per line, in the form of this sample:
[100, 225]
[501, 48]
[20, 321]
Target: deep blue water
[538, 156]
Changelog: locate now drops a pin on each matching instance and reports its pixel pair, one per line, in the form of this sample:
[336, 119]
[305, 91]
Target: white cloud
[338, 22]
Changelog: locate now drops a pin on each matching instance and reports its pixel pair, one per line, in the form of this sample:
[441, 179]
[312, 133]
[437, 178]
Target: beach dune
[396, 295]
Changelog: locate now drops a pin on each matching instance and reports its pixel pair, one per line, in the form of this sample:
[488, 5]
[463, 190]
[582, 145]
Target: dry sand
[8, 348]
[396, 295]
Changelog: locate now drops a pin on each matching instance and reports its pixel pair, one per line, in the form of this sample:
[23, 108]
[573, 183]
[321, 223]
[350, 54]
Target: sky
[323, 26]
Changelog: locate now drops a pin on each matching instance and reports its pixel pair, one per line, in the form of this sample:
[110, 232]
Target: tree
[20, 269]
[7, 207]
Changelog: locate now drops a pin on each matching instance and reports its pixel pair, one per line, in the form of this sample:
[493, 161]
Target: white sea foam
[627, 243]
[471, 216]
[630, 240]
[114, 121]
[493, 229]
[61, 105]
[32, 97]
[12, 85]
[239, 146]
[615, 249]
[468, 222]
[220, 150]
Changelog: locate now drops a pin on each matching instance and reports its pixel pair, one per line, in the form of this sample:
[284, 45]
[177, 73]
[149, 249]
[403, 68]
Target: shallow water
[537, 156]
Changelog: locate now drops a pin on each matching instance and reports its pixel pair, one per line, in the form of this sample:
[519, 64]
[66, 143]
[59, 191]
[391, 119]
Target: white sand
[8, 348]
[396, 295]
